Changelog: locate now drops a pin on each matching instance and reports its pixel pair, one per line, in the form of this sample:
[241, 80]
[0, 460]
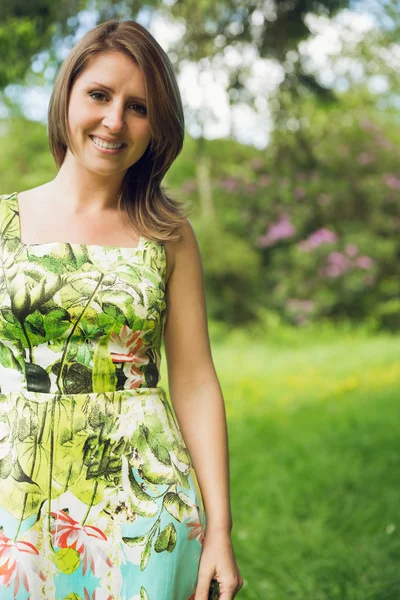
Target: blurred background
[291, 172]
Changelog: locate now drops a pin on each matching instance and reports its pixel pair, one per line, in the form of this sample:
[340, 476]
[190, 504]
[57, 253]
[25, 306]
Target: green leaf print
[143, 594]
[19, 475]
[166, 539]
[147, 550]
[7, 358]
[135, 541]
[67, 560]
[72, 597]
[154, 461]
[178, 505]
[37, 378]
[141, 502]
[104, 376]
[6, 465]
[121, 300]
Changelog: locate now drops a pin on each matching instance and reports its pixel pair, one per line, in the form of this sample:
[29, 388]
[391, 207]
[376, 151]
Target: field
[315, 451]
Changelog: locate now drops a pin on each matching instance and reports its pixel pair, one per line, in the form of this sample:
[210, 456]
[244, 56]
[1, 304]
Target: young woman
[107, 491]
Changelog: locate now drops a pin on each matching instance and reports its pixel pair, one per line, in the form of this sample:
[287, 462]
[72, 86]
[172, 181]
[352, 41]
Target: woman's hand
[218, 562]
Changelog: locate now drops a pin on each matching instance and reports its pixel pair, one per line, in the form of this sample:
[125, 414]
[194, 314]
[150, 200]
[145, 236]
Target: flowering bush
[320, 207]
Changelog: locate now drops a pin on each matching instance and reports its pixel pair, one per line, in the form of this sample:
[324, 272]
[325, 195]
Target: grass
[315, 451]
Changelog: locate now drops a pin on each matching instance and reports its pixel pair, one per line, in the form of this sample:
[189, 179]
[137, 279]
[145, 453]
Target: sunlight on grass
[314, 453]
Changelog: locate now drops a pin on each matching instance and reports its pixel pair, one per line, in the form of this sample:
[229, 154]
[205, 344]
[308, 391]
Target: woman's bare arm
[193, 384]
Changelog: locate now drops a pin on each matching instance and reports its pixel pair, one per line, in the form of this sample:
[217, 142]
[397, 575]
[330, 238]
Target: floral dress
[98, 496]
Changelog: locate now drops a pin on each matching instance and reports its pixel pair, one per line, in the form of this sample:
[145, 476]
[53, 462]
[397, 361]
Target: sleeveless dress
[98, 496]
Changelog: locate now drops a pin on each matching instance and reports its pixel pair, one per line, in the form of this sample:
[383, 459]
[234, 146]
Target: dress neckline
[139, 246]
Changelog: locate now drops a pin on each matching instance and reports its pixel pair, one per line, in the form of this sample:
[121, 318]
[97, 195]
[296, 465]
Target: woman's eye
[95, 95]
[140, 109]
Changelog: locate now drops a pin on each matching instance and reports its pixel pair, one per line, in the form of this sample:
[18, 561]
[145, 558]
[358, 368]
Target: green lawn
[315, 466]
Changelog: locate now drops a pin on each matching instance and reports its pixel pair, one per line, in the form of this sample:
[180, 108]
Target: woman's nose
[114, 118]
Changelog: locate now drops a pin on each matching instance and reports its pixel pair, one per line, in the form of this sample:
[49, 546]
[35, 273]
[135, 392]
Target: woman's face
[108, 105]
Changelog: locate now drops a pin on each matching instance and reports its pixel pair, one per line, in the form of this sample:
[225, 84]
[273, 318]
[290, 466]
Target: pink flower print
[129, 348]
[87, 540]
[196, 532]
[18, 563]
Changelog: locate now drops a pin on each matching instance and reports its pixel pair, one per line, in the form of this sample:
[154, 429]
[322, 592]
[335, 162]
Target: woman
[107, 492]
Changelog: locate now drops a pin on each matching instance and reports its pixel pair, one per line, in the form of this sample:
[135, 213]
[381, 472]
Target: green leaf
[144, 559]
[177, 506]
[67, 560]
[166, 539]
[34, 324]
[134, 541]
[6, 466]
[104, 376]
[37, 379]
[19, 475]
[7, 358]
[77, 379]
[142, 503]
[143, 594]
[72, 597]
[154, 470]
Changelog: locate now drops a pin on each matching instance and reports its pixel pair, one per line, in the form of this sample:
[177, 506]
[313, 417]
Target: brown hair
[152, 212]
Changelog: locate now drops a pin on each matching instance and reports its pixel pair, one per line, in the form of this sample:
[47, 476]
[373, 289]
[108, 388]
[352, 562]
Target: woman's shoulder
[174, 248]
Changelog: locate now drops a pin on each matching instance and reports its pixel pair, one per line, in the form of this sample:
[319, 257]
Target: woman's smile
[107, 147]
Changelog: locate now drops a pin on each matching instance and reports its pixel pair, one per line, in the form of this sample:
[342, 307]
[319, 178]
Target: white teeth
[103, 144]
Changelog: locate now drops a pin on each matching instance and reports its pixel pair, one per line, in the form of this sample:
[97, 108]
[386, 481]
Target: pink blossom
[129, 348]
[196, 532]
[321, 236]
[231, 184]
[365, 158]
[277, 231]
[337, 264]
[87, 540]
[18, 564]
[364, 262]
[392, 181]
[351, 250]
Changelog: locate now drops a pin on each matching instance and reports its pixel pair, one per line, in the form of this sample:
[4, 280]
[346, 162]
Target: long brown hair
[152, 212]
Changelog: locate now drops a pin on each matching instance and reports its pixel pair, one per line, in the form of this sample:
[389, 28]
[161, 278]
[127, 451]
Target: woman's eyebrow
[110, 89]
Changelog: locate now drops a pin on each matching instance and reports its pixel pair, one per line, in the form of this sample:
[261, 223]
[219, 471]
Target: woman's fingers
[203, 586]
[230, 587]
